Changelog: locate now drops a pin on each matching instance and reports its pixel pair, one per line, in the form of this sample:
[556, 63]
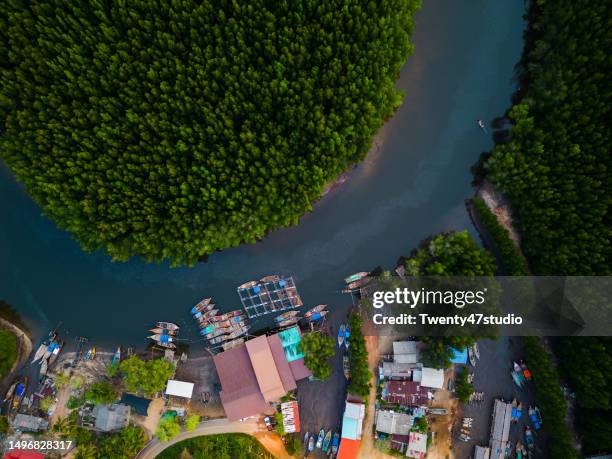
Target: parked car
[268, 423]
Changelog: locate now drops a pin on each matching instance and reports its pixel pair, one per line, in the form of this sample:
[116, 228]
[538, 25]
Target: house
[429, 377]
[481, 452]
[257, 374]
[406, 393]
[391, 422]
[27, 423]
[352, 426]
[110, 418]
[399, 442]
[500, 428]
[405, 352]
[180, 389]
[417, 445]
[394, 370]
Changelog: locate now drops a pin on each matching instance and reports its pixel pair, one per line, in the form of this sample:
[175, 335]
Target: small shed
[405, 351]
[179, 388]
[27, 423]
[109, 418]
[432, 378]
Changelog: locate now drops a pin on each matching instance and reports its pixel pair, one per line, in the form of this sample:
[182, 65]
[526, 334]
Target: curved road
[216, 426]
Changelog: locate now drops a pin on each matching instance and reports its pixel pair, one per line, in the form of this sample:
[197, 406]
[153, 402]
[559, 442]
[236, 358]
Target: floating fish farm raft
[270, 294]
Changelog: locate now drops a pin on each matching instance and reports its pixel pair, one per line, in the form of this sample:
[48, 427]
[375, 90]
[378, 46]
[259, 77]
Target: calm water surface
[412, 187]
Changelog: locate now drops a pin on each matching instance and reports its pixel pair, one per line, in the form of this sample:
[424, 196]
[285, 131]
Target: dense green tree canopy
[101, 392]
[318, 348]
[176, 129]
[556, 168]
[146, 377]
[450, 254]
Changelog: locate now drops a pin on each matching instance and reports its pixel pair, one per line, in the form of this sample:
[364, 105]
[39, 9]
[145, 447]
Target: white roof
[404, 347]
[481, 452]
[355, 410]
[417, 445]
[432, 377]
[392, 422]
[179, 388]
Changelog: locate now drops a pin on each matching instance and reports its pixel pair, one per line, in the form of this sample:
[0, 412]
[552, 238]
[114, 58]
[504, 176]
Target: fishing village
[310, 384]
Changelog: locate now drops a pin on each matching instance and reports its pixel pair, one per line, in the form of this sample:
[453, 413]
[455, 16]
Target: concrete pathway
[216, 426]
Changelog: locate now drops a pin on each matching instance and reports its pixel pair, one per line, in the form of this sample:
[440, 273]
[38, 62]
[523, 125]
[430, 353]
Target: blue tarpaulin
[460, 357]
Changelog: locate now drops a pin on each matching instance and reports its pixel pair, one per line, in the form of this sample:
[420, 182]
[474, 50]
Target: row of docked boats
[291, 317]
[164, 335]
[326, 442]
[220, 330]
[48, 352]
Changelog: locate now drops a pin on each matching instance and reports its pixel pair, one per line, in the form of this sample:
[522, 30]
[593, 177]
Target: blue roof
[460, 357]
[349, 428]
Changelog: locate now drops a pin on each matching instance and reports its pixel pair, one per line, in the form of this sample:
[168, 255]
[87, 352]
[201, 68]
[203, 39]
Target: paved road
[216, 426]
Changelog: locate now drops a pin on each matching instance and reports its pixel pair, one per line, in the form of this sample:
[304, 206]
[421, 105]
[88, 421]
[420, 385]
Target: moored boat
[162, 338]
[55, 353]
[232, 344]
[205, 316]
[202, 305]
[327, 441]
[315, 310]
[355, 277]
[472, 357]
[40, 352]
[44, 366]
[235, 334]
[335, 443]
[286, 316]
[306, 435]
[292, 321]
[358, 283]
[476, 351]
[10, 391]
[341, 331]
[347, 335]
[163, 331]
[227, 315]
[311, 444]
[19, 392]
[320, 439]
[116, 357]
[317, 316]
[168, 326]
[247, 285]
[346, 366]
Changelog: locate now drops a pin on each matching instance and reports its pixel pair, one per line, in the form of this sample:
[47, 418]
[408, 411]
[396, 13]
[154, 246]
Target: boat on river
[206, 316]
[40, 352]
[317, 316]
[347, 334]
[168, 326]
[529, 438]
[55, 353]
[288, 322]
[327, 441]
[286, 316]
[335, 443]
[346, 366]
[315, 310]
[535, 417]
[227, 315]
[341, 332]
[311, 444]
[202, 305]
[19, 393]
[116, 357]
[472, 357]
[320, 439]
[44, 366]
[232, 344]
[358, 283]
[476, 351]
[233, 335]
[163, 331]
[355, 277]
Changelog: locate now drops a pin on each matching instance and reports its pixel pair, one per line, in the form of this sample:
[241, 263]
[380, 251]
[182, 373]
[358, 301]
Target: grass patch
[8, 351]
[225, 446]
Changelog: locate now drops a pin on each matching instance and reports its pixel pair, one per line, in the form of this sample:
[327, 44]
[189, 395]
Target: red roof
[299, 369]
[349, 449]
[23, 454]
[240, 394]
[282, 365]
[406, 393]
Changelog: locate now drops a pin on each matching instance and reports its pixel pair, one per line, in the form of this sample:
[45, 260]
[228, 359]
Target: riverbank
[24, 349]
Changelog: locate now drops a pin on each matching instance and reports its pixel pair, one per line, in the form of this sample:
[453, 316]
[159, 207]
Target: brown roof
[299, 369]
[240, 396]
[282, 366]
[264, 366]
[405, 393]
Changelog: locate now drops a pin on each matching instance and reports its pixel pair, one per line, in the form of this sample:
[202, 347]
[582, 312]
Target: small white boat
[476, 351]
[314, 310]
[341, 332]
[168, 326]
[40, 352]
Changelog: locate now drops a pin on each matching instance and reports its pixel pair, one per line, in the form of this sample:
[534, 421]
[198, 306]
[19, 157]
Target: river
[411, 186]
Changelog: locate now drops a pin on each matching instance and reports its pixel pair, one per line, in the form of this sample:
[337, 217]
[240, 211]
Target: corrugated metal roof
[265, 369]
[282, 366]
[392, 422]
[179, 388]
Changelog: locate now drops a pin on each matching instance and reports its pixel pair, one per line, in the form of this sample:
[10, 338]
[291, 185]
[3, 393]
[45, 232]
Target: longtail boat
[346, 366]
[44, 366]
[317, 316]
[163, 331]
[341, 335]
[335, 443]
[40, 352]
[201, 305]
[315, 310]
[232, 344]
[292, 321]
[320, 438]
[311, 444]
[327, 441]
[55, 353]
[347, 334]
[235, 334]
[116, 357]
[162, 338]
[19, 393]
[219, 332]
[206, 315]
[9, 392]
[168, 326]
[227, 315]
[355, 277]
[248, 284]
[286, 316]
